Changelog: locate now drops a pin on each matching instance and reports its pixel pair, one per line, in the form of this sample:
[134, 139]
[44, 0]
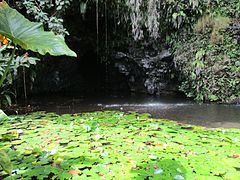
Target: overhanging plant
[29, 36]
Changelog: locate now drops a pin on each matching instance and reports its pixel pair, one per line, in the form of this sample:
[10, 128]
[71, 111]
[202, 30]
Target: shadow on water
[174, 108]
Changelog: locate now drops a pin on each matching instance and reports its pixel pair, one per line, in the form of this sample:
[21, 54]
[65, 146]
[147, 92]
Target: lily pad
[118, 144]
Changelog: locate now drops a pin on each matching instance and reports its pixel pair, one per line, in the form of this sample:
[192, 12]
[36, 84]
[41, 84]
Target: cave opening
[109, 62]
[93, 72]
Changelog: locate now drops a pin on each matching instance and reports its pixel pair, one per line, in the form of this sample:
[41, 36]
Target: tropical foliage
[208, 58]
[47, 12]
[17, 30]
[167, 22]
[30, 35]
[113, 145]
[118, 145]
[18, 63]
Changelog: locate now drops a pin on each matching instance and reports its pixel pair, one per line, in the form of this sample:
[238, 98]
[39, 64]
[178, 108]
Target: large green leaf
[5, 162]
[3, 116]
[30, 35]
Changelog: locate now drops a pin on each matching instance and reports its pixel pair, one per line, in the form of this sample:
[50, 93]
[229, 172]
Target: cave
[85, 76]
[108, 63]
[92, 73]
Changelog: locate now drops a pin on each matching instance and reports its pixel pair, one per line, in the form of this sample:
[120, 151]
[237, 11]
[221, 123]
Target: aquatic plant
[116, 145]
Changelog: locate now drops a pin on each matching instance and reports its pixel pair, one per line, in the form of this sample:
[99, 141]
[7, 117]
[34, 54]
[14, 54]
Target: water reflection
[178, 109]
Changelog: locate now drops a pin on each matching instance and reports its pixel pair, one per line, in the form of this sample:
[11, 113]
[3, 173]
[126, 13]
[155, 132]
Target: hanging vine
[97, 28]
[136, 17]
[152, 23]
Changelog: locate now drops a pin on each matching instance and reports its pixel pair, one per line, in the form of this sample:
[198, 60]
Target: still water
[174, 108]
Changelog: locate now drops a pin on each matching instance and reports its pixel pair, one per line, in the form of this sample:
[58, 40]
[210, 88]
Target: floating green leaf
[128, 145]
[5, 162]
[3, 116]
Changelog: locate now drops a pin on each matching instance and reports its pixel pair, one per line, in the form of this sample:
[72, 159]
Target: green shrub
[209, 64]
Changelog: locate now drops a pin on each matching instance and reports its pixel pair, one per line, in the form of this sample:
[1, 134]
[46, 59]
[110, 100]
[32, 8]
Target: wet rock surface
[139, 70]
[149, 71]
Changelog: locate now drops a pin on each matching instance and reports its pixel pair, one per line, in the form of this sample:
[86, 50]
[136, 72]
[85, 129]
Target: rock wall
[139, 70]
[147, 70]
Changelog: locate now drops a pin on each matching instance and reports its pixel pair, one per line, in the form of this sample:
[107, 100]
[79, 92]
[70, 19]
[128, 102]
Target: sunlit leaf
[5, 162]
[158, 171]
[3, 116]
[30, 35]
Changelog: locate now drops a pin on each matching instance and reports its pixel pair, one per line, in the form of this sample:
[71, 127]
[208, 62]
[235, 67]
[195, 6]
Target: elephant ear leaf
[30, 35]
